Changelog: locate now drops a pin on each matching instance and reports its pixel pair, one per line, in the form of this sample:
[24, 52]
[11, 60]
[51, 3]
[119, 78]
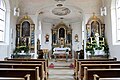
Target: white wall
[76, 29]
[114, 49]
[46, 29]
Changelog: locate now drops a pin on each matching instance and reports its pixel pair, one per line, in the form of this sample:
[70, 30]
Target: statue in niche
[38, 44]
[88, 32]
[62, 42]
[61, 33]
[94, 28]
[54, 37]
[97, 38]
[25, 29]
[68, 37]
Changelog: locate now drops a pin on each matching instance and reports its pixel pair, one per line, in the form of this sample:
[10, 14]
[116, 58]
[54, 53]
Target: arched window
[118, 19]
[115, 20]
[2, 20]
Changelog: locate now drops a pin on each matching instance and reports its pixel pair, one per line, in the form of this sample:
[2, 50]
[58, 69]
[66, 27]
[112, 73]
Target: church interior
[59, 39]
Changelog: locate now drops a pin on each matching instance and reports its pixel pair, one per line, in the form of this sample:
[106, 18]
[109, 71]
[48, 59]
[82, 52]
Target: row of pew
[97, 69]
[24, 69]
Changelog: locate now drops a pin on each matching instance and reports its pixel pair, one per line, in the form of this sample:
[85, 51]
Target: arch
[25, 18]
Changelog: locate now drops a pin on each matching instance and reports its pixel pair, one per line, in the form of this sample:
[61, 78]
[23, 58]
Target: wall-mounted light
[76, 38]
[47, 38]
[103, 11]
[16, 11]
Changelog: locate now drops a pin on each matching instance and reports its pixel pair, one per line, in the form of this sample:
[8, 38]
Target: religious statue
[68, 37]
[38, 44]
[94, 28]
[61, 42]
[97, 38]
[54, 37]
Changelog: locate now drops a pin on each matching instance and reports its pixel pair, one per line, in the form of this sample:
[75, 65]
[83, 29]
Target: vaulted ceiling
[72, 10]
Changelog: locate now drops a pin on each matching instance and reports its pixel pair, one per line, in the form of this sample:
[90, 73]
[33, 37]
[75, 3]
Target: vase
[97, 52]
[22, 51]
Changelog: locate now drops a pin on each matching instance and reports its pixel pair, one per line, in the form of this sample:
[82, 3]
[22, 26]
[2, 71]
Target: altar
[61, 52]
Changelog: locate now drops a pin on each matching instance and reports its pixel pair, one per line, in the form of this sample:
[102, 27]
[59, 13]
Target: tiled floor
[61, 71]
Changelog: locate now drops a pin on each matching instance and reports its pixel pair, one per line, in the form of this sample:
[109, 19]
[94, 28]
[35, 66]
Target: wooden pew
[96, 77]
[76, 63]
[24, 66]
[42, 60]
[11, 72]
[42, 70]
[95, 62]
[95, 66]
[10, 78]
[88, 73]
[79, 60]
[26, 77]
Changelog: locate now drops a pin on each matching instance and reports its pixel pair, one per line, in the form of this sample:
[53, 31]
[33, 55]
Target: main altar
[61, 39]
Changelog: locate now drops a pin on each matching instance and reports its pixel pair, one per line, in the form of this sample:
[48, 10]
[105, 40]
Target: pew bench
[79, 60]
[96, 77]
[10, 78]
[89, 61]
[34, 60]
[24, 66]
[95, 66]
[43, 69]
[26, 77]
[88, 73]
[11, 72]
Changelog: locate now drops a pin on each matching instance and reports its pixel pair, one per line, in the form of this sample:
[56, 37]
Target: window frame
[2, 20]
[114, 23]
[118, 19]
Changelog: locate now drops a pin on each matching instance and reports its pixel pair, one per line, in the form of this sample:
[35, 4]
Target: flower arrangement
[20, 49]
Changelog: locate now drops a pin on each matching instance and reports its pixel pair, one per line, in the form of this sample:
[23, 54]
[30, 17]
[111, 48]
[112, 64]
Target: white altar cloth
[61, 50]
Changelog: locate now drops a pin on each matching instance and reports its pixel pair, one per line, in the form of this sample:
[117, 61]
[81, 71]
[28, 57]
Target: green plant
[89, 47]
[21, 48]
[98, 48]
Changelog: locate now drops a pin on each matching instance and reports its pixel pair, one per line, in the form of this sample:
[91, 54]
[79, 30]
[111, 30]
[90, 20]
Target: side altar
[96, 45]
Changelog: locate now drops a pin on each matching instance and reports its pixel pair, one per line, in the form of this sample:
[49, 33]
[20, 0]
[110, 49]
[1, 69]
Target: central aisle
[61, 70]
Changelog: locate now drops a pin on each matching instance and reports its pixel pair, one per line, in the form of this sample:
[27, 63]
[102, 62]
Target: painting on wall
[25, 29]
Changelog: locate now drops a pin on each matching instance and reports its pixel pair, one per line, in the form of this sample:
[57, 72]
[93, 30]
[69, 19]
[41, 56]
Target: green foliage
[98, 48]
[89, 47]
[21, 48]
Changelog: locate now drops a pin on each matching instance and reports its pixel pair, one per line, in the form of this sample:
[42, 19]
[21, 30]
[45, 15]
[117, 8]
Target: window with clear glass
[2, 19]
[118, 19]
